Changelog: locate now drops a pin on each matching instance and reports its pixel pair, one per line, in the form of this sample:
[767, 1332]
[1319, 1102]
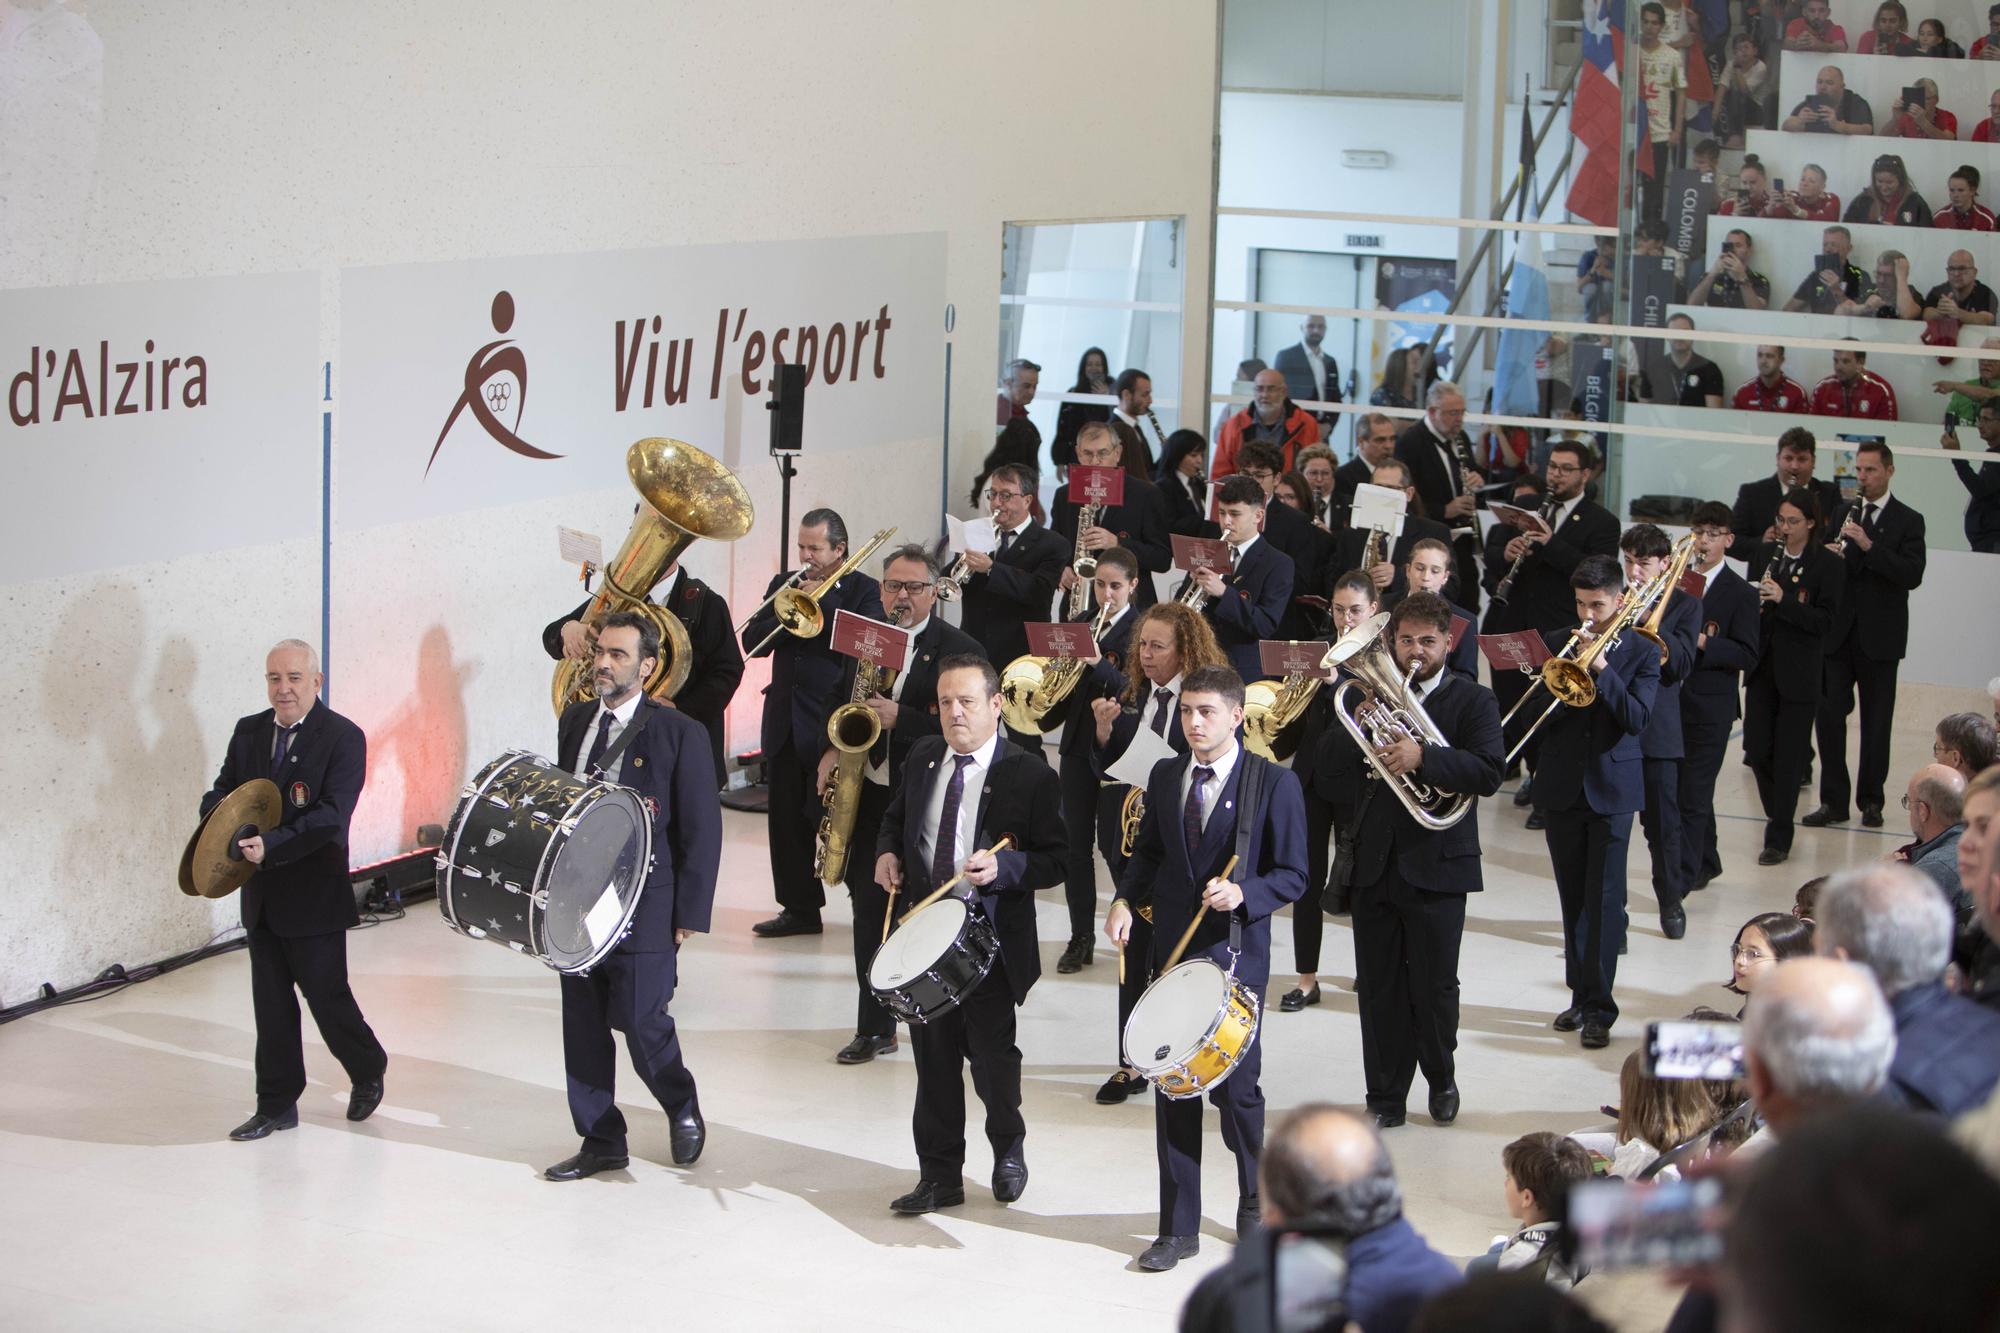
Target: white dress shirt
[968, 806]
[1422, 690]
[1211, 791]
[621, 717]
[1318, 363]
[1154, 706]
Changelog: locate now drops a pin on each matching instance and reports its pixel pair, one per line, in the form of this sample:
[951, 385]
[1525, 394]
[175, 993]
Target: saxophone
[1082, 561]
[853, 729]
[1371, 550]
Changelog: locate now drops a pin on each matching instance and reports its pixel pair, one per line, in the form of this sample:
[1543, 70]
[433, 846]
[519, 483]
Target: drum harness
[1249, 790]
[625, 738]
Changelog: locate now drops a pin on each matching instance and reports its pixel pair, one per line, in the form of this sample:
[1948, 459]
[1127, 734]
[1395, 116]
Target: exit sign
[1357, 241]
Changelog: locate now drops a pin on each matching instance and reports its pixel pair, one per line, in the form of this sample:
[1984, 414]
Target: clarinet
[1506, 588]
[1157, 431]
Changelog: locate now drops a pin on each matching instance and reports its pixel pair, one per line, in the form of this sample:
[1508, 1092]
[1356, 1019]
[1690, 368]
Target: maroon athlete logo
[488, 393]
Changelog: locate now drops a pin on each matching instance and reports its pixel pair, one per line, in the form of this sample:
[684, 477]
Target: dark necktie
[283, 748]
[944, 851]
[1191, 812]
[1235, 554]
[1868, 519]
[601, 744]
[1006, 542]
[1162, 700]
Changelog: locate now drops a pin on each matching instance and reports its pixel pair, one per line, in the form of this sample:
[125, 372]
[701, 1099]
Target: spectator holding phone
[1815, 30]
[1919, 117]
[1988, 47]
[1982, 511]
[1832, 108]
[1835, 278]
[1731, 283]
[1811, 202]
[1891, 34]
[1753, 191]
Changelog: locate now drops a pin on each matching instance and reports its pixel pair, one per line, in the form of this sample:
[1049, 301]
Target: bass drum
[549, 864]
[1191, 1027]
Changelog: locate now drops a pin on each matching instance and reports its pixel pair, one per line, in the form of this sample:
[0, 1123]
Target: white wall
[232, 136]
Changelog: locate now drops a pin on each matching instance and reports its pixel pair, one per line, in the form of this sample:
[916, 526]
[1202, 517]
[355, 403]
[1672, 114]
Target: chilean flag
[1594, 117]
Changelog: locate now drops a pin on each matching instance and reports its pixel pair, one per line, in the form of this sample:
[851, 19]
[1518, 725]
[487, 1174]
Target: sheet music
[1135, 766]
[976, 535]
[1379, 507]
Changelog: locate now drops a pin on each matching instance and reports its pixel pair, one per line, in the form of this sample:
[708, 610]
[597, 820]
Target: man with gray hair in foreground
[1894, 922]
[1334, 1245]
[1936, 802]
[1818, 1035]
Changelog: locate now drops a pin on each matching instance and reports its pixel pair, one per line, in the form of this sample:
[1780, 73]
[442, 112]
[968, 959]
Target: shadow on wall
[425, 740]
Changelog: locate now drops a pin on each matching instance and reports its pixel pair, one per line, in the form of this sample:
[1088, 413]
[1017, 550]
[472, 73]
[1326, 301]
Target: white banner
[473, 384]
[146, 421]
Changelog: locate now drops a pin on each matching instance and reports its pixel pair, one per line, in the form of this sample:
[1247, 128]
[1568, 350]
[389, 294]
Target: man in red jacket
[1272, 419]
[1852, 390]
[1773, 390]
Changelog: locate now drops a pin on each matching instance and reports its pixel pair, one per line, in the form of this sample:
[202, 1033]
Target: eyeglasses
[1560, 468]
[1959, 268]
[1004, 495]
[912, 586]
[1750, 954]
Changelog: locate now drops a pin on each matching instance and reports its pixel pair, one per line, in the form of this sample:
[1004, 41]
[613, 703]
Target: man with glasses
[1138, 523]
[1439, 456]
[1711, 700]
[1018, 581]
[1270, 419]
[909, 590]
[1961, 296]
[1393, 554]
[1935, 803]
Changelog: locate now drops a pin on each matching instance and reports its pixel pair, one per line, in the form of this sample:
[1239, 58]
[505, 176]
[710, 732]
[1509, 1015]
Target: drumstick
[888, 914]
[952, 883]
[1188, 934]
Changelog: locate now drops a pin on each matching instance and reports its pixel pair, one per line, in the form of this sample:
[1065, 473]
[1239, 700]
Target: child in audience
[1766, 940]
[1806, 902]
[1655, 1116]
[1540, 1169]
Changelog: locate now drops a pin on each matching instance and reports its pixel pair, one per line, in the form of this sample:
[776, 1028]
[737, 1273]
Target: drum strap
[1249, 796]
[625, 738]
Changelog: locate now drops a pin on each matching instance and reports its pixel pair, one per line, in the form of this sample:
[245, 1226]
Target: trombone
[799, 612]
[1662, 590]
[1569, 678]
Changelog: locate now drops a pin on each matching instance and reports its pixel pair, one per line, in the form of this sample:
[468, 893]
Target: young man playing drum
[662, 754]
[1217, 807]
[960, 795]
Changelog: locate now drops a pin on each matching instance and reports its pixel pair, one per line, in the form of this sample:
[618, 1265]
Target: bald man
[1961, 296]
[1272, 419]
[1935, 799]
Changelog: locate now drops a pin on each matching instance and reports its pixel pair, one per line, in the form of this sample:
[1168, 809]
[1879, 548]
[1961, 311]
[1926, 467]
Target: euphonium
[683, 494]
[1272, 708]
[1663, 589]
[1030, 686]
[1385, 714]
[853, 729]
[798, 611]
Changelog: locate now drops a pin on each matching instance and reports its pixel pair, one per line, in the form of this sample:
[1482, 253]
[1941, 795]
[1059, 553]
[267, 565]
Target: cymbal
[208, 870]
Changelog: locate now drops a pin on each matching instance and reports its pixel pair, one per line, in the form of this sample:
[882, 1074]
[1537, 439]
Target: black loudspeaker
[787, 408]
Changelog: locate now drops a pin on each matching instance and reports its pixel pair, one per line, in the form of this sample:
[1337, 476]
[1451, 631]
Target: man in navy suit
[1408, 881]
[1648, 554]
[1595, 782]
[1881, 539]
[1389, 572]
[1711, 697]
[1017, 583]
[1293, 534]
[1754, 519]
[1090, 807]
[1138, 525]
[1437, 451]
[299, 903]
[961, 793]
[1245, 602]
[907, 709]
[797, 703]
[1198, 817]
[665, 758]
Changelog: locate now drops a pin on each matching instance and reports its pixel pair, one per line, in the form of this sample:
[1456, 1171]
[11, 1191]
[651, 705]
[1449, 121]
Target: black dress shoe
[361, 1103]
[1339, 900]
[1771, 856]
[1701, 882]
[1871, 816]
[1296, 999]
[1823, 816]
[1077, 956]
[1167, 1251]
[1118, 1087]
[1596, 1036]
[787, 922]
[261, 1126]
[1249, 1216]
[1537, 818]
[1524, 795]
[1444, 1103]
[863, 1049]
[928, 1197]
[1010, 1177]
[1674, 924]
[687, 1132]
[585, 1163]
[1569, 1020]
[1391, 1119]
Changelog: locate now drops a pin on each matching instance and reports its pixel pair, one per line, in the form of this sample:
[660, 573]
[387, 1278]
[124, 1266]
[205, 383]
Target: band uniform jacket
[1021, 796]
[1756, 509]
[1126, 725]
[1254, 598]
[805, 672]
[1163, 876]
[1351, 542]
[1347, 478]
[1878, 582]
[1309, 550]
[1437, 485]
[1184, 511]
[1678, 630]
[1792, 631]
[1020, 587]
[1140, 524]
[1541, 597]
[1469, 764]
[302, 886]
[1596, 750]
[917, 710]
[1103, 679]
[717, 668]
[666, 763]
[1713, 692]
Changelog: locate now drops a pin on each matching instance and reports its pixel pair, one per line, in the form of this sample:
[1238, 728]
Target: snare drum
[1191, 1027]
[549, 864]
[933, 961]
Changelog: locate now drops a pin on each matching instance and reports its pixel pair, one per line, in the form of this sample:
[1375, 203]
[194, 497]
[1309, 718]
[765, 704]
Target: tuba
[1664, 589]
[1031, 686]
[1385, 713]
[683, 494]
[798, 611]
[1271, 710]
[853, 729]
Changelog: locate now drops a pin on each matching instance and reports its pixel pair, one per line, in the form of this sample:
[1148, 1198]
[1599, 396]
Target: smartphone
[1828, 264]
[1615, 1224]
[1777, 186]
[1913, 96]
[1951, 427]
[1683, 1049]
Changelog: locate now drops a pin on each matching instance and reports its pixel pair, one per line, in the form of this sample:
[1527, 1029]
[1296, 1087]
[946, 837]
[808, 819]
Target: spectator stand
[1963, 89]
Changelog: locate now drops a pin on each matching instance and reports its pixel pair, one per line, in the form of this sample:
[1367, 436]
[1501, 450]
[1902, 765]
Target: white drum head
[1174, 1015]
[917, 944]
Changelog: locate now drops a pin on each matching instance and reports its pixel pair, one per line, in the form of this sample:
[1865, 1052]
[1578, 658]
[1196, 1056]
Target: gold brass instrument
[1271, 710]
[951, 583]
[853, 729]
[1191, 595]
[1569, 678]
[1371, 550]
[1031, 686]
[1083, 562]
[798, 611]
[1505, 589]
[1384, 713]
[1130, 814]
[1575, 641]
[1656, 612]
[683, 494]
